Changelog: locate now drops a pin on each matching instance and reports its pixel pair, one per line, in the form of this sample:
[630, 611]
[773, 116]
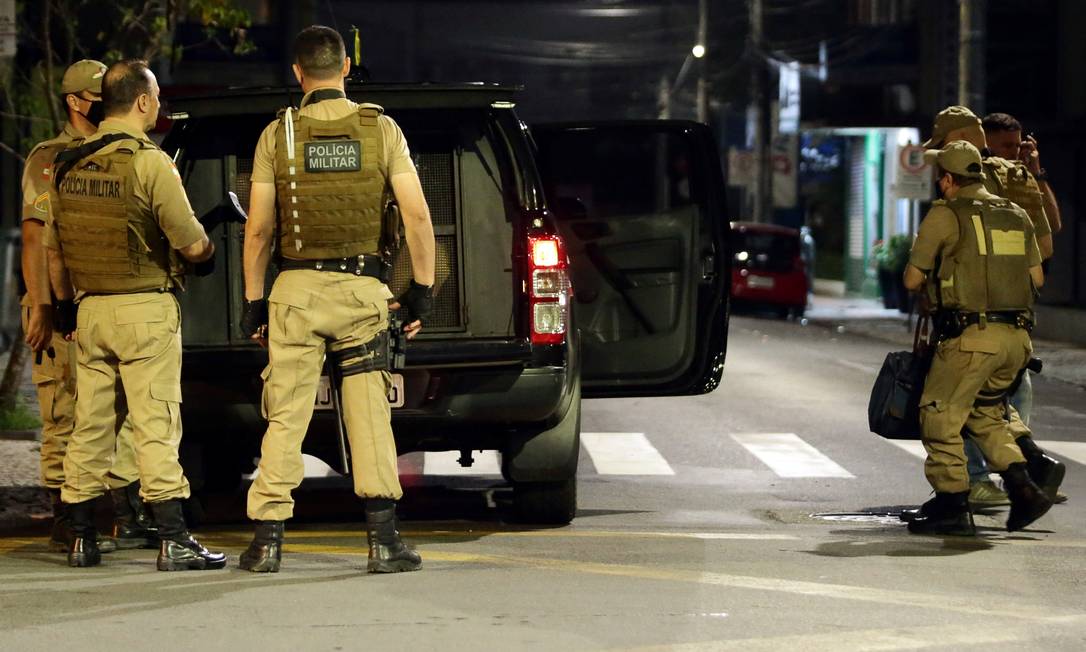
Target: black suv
[573, 260]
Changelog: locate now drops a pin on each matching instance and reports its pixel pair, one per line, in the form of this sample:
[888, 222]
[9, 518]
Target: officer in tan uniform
[320, 177]
[1010, 180]
[978, 254]
[54, 362]
[122, 219]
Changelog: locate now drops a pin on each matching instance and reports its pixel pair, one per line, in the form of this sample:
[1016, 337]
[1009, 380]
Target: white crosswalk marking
[1072, 450]
[789, 456]
[912, 446]
[624, 453]
[445, 463]
[631, 453]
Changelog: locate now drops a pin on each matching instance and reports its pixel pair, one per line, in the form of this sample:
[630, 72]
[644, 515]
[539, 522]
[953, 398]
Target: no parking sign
[913, 174]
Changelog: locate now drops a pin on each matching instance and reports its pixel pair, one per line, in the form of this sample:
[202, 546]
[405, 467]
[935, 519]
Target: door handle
[708, 267]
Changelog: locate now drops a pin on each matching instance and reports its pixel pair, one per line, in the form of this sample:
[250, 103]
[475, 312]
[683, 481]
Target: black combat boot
[388, 554]
[265, 552]
[60, 536]
[1046, 472]
[178, 550]
[132, 524]
[945, 514]
[1028, 501]
[83, 547]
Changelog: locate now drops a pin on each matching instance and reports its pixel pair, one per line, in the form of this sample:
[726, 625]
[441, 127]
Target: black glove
[254, 317]
[205, 268]
[419, 301]
[64, 316]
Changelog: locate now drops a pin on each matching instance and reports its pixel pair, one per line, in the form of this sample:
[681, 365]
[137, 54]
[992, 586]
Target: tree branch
[47, 17]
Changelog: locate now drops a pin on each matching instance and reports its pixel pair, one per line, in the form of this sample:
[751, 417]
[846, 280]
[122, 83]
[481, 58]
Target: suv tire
[545, 503]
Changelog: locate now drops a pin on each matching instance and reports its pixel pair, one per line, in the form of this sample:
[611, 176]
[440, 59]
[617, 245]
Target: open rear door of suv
[641, 208]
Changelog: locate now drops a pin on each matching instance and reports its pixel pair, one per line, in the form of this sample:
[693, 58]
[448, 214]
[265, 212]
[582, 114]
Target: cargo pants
[977, 361]
[54, 380]
[310, 311]
[129, 354]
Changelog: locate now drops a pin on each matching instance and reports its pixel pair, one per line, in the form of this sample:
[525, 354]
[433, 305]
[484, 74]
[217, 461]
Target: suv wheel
[546, 503]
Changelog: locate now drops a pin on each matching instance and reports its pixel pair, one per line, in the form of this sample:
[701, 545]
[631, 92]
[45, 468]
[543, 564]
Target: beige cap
[85, 75]
[958, 157]
[951, 119]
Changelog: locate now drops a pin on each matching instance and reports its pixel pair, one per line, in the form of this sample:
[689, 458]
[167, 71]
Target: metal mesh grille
[436, 174]
[244, 181]
[446, 282]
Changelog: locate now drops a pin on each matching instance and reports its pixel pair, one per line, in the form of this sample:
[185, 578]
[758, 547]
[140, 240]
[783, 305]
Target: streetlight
[698, 51]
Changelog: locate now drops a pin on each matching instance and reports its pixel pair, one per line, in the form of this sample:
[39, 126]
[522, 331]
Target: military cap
[958, 157]
[951, 119]
[85, 75]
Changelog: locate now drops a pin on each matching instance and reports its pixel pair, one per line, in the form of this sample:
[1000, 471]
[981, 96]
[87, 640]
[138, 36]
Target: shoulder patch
[41, 202]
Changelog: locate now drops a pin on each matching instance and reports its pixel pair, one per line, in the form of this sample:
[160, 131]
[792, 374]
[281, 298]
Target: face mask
[939, 188]
[95, 114]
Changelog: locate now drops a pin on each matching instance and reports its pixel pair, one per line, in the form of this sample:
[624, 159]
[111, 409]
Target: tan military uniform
[309, 312]
[981, 360]
[129, 343]
[53, 371]
[1011, 180]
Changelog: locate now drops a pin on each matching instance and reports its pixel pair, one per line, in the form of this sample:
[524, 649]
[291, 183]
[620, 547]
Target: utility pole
[759, 83]
[972, 25]
[663, 98]
[703, 68]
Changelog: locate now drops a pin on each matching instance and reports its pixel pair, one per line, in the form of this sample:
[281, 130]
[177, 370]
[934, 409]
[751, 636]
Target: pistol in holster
[397, 343]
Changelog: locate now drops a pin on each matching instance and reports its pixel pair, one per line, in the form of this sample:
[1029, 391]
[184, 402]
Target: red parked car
[768, 268]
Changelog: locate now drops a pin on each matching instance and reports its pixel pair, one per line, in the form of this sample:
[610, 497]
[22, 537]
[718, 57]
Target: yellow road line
[978, 605]
[973, 604]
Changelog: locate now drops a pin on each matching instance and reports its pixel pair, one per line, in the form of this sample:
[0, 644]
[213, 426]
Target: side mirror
[228, 210]
[235, 204]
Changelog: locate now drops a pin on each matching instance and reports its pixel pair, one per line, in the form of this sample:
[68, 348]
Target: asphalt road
[745, 519]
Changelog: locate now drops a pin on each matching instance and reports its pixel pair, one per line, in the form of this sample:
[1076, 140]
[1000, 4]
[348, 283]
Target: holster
[397, 341]
[362, 358]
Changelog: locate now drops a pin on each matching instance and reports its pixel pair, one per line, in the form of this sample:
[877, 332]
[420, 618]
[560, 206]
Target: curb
[19, 435]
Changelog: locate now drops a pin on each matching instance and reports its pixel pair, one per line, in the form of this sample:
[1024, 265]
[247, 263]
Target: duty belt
[1017, 318]
[362, 265]
[172, 290]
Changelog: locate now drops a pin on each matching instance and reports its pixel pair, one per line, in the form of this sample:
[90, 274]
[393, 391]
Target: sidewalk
[867, 317]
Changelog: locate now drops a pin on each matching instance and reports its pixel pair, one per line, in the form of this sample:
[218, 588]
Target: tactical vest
[1012, 181]
[109, 245]
[330, 193]
[987, 270]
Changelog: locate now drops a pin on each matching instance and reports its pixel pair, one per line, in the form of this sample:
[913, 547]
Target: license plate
[760, 282]
[324, 393]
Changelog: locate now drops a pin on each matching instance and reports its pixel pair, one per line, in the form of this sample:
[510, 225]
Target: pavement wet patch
[872, 517]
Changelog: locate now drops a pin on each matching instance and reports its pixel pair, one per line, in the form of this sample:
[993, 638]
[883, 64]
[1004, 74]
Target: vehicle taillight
[548, 289]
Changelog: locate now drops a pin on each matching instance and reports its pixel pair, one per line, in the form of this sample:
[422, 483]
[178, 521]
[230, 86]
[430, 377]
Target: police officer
[53, 367]
[1004, 136]
[123, 217]
[327, 168]
[1003, 132]
[980, 259]
[1011, 180]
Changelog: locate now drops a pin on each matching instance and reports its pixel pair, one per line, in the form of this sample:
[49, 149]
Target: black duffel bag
[893, 411]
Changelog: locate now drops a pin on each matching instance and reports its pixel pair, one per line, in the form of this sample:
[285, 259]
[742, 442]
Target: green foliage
[893, 254]
[54, 33]
[20, 417]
